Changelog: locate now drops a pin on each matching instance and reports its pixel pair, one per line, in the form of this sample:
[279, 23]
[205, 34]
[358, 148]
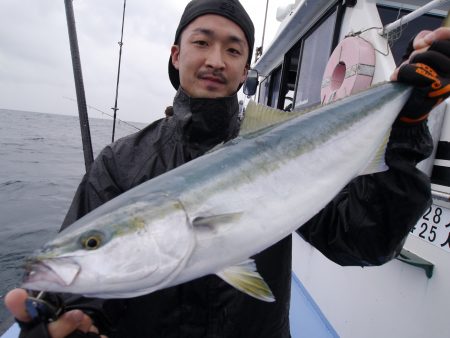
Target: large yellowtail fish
[213, 213]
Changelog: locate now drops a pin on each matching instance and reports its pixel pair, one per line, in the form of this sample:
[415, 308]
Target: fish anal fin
[245, 278]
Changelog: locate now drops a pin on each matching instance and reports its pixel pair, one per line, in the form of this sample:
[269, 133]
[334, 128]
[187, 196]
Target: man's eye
[234, 51]
[200, 43]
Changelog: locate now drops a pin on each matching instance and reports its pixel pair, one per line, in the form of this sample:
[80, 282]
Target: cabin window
[275, 81]
[269, 88]
[264, 91]
[316, 51]
[402, 37]
[289, 77]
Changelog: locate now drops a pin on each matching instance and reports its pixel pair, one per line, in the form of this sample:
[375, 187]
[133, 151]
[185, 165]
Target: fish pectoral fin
[245, 278]
[378, 164]
[211, 222]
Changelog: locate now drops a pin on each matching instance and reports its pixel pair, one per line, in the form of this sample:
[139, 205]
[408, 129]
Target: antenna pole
[259, 50]
[264, 29]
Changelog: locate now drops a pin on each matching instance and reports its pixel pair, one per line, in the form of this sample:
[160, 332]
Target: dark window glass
[407, 32]
[288, 78]
[316, 52]
[263, 91]
[275, 81]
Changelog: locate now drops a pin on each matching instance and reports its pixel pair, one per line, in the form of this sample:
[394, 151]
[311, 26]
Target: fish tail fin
[245, 278]
[378, 164]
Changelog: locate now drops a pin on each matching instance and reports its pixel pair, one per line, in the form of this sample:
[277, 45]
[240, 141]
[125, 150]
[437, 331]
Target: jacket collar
[206, 121]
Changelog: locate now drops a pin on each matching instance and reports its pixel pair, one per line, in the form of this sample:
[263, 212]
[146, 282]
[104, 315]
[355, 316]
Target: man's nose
[215, 58]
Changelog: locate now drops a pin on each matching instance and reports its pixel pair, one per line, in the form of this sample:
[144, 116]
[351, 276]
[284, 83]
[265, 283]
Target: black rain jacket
[365, 224]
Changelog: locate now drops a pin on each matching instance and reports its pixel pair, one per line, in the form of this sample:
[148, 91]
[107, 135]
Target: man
[365, 224]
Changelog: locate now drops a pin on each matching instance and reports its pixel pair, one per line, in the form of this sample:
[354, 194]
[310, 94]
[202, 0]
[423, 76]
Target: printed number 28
[436, 217]
[424, 226]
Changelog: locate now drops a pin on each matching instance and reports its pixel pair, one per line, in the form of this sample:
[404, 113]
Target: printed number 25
[431, 236]
[436, 219]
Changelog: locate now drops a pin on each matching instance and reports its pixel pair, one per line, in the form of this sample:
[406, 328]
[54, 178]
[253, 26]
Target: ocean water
[41, 165]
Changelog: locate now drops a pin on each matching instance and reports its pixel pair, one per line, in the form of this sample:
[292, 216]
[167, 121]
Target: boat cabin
[397, 299]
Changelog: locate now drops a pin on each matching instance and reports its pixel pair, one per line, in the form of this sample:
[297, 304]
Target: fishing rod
[79, 86]
[115, 109]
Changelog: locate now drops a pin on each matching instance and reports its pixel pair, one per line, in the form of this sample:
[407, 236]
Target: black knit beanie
[230, 9]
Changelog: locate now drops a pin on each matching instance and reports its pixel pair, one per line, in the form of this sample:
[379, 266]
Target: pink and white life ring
[350, 69]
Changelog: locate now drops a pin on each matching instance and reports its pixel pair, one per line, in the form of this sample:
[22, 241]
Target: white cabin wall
[396, 299]
[439, 126]
[439, 115]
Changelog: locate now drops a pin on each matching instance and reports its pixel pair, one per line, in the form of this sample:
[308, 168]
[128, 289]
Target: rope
[103, 112]
[358, 34]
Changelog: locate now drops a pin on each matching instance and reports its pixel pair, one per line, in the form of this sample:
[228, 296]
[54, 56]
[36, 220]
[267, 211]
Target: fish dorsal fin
[258, 116]
[245, 278]
[378, 164]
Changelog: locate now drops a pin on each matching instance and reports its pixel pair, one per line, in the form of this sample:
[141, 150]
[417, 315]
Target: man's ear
[175, 55]
[244, 74]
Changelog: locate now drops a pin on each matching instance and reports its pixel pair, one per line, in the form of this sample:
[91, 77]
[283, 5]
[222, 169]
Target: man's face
[211, 57]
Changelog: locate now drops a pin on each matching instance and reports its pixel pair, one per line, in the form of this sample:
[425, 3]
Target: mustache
[216, 74]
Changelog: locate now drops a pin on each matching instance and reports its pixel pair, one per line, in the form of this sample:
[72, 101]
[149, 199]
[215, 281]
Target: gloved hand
[429, 73]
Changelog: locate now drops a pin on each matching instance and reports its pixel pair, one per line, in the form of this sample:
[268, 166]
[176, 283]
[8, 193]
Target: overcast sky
[35, 63]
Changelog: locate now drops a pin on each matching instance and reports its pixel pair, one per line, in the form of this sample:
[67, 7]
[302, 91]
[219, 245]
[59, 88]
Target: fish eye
[91, 241]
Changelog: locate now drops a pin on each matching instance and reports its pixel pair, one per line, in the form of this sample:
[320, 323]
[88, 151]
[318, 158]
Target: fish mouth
[60, 271]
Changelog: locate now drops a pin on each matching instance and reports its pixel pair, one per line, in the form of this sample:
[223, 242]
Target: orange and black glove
[429, 73]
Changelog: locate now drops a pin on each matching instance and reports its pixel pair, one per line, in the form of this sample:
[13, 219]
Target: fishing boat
[408, 296]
